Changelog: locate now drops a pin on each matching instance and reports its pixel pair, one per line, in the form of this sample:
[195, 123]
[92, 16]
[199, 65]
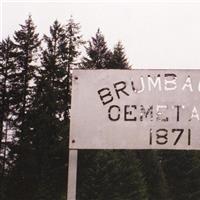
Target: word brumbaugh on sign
[135, 109]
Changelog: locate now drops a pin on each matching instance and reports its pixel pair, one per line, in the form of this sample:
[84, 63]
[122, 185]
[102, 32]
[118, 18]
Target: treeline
[35, 95]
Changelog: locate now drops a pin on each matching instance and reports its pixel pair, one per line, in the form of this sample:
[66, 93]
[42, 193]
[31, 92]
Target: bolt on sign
[135, 109]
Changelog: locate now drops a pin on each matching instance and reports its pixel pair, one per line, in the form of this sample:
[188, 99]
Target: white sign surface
[135, 109]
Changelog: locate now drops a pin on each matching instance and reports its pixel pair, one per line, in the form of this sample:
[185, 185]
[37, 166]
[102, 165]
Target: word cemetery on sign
[135, 109]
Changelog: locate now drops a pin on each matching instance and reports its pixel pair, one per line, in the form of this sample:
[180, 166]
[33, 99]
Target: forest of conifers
[35, 93]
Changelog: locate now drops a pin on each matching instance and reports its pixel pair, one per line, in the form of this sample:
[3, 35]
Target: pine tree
[50, 108]
[7, 73]
[52, 104]
[119, 60]
[22, 178]
[27, 43]
[70, 51]
[98, 55]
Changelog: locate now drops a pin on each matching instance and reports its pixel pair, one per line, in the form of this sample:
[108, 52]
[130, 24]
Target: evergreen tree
[98, 55]
[70, 51]
[27, 44]
[7, 74]
[50, 111]
[52, 104]
[119, 60]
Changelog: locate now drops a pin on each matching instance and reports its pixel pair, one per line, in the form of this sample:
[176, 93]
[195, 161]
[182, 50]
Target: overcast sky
[160, 34]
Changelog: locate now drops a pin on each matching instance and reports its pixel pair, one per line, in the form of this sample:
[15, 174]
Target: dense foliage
[35, 95]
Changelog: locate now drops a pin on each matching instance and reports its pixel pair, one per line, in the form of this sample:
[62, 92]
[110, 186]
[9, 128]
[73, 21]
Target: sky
[155, 34]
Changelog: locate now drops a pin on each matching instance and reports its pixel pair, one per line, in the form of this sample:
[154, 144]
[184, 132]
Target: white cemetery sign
[133, 109]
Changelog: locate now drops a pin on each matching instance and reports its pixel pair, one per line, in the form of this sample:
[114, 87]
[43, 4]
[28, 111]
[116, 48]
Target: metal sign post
[72, 174]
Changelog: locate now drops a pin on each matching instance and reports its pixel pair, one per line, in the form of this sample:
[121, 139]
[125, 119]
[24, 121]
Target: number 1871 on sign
[173, 136]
